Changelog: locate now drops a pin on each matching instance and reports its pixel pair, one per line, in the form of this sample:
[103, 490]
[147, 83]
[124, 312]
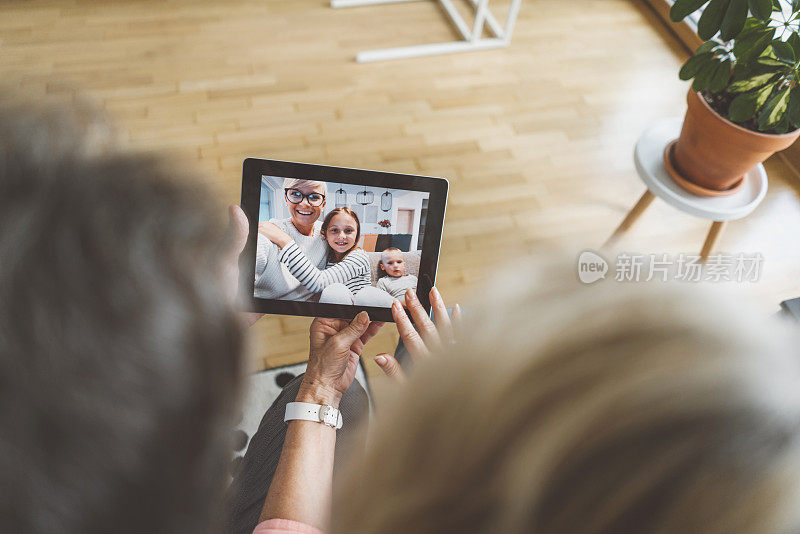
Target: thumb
[390, 366]
[353, 331]
[239, 228]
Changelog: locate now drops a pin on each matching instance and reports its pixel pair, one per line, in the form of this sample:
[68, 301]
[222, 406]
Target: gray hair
[120, 351]
[299, 182]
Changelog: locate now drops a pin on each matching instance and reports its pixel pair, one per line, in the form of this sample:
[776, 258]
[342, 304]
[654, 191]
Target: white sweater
[398, 286]
[273, 279]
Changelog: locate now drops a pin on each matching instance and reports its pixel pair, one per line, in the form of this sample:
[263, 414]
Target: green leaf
[754, 24]
[721, 77]
[794, 42]
[795, 6]
[762, 95]
[749, 46]
[793, 112]
[711, 19]
[762, 65]
[768, 61]
[741, 71]
[745, 106]
[734, 19]
[693, 65]
[708, 46]
[761, 9]
[703, 78]
[783, 126]
[752, 82]
[774, 110]
[682, 8]
[783, 51]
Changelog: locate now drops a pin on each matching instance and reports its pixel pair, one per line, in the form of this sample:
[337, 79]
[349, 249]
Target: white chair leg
[472, 38]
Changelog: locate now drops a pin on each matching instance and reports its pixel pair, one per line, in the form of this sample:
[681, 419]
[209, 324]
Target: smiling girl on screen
[346, 278]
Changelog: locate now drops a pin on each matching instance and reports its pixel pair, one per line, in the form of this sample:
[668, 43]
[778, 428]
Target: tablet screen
[329, 241]
[337, 243]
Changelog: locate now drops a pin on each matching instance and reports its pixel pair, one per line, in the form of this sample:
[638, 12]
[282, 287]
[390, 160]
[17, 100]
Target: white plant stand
[649, 159]
[472, 38]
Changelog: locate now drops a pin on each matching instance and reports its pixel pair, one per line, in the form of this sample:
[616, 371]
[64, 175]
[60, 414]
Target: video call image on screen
[337, 243]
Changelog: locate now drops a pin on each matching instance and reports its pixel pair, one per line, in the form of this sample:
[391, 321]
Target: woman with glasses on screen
[347, 277]
[305, 200]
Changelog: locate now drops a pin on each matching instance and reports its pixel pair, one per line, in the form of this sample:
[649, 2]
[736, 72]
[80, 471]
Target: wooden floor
[536, 139]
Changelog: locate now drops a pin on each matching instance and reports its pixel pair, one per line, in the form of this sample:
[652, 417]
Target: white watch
[321, 413]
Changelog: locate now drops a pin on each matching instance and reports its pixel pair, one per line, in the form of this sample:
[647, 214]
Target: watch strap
[320, 413]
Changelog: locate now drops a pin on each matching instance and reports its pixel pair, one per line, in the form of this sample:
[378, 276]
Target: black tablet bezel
[252, 171]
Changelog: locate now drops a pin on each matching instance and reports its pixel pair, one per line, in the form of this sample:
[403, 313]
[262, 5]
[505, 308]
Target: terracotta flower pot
[715, 153]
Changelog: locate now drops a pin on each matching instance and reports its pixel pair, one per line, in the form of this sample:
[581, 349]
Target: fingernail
[396, 305]
[380, 360]
[458, 307]
[436, 294]
[411, 295]
[362, 317]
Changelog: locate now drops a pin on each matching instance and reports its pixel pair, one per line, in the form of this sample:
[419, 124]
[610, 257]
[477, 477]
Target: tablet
[332, 241]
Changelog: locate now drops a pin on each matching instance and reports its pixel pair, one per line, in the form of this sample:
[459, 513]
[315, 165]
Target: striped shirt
[353, 271]
[272, 279]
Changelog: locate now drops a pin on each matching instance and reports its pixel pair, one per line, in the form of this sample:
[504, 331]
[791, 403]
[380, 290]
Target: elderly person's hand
[427, 336]
[274, 234]
[336, 346]
[301, 488]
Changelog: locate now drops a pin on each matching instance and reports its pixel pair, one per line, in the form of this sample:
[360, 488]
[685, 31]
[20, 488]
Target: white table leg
[428, 50]
[472, 37]
[494, 26]
[480, 18]
[359, 3]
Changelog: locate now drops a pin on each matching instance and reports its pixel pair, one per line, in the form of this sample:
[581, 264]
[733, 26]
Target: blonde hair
[582, 410]
[390, 249]
[299, 182]
[382, 269]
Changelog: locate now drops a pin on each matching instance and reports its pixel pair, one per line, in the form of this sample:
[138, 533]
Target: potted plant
[744, 103]
[386, 224]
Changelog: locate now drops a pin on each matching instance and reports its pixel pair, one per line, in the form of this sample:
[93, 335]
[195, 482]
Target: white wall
[369, 224]
[411, 200]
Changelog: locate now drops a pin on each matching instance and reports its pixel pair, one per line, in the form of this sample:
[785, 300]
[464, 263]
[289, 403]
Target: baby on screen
[396, 282]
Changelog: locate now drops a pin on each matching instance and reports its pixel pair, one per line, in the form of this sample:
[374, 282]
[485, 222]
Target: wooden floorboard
[536, 139]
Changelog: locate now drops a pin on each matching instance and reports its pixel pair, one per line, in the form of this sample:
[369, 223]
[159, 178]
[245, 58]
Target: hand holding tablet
[330, 241]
